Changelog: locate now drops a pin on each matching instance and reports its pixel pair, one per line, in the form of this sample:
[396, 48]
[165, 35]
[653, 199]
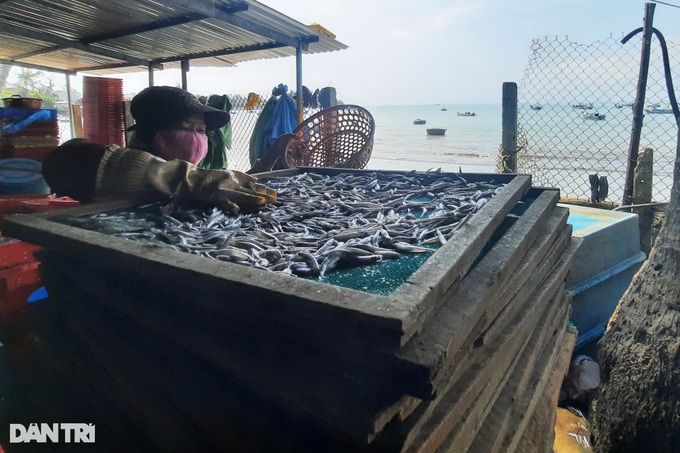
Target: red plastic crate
[14, 252]
[19, 276]
[49, 204]
[17, 284]
[14, 204]
[28, 203]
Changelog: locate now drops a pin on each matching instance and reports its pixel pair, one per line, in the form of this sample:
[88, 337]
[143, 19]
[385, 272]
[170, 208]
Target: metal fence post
[638, 106]
[509, 139]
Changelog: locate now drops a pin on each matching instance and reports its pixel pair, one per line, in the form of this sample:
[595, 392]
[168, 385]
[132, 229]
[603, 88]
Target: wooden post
[70, 104]
[150, 74]
[185, 69]
[639, 103]
[509, 140]
[77, 121]
[642, 193]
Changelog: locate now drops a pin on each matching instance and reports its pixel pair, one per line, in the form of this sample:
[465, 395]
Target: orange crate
[49, 204]
[14, 252]
[28, 203]
[14, 204]
[17, 284]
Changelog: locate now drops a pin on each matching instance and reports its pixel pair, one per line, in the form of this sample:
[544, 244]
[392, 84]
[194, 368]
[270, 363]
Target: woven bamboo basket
[340, 136]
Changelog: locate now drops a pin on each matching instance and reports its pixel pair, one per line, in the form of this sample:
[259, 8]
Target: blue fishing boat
[536, 106]
[436, 131]
[419, 121]
[594, 116]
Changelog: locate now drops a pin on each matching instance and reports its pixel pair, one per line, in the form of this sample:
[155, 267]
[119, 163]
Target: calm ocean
[564, 148]
[470, 143]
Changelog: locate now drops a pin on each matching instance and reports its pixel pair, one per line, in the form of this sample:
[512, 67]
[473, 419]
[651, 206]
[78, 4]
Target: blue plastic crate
[17, 113]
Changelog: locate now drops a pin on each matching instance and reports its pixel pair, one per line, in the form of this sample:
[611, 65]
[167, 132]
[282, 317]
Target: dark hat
[159, 107]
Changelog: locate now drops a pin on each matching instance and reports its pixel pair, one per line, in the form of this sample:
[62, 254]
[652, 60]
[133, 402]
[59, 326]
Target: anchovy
[319, 223]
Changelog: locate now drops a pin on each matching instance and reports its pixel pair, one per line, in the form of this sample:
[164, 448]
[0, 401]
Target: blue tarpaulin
[281, 120]
[24, 117]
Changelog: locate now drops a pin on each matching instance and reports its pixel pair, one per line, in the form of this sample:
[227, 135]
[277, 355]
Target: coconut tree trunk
[639, 404]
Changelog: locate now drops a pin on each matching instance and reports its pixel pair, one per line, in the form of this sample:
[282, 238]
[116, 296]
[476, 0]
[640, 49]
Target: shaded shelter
[101, 37]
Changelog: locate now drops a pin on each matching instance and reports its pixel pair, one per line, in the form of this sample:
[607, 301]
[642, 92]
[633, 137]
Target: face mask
[184, 145]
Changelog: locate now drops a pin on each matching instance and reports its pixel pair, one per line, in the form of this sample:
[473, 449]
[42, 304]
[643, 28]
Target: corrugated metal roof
[114, 36]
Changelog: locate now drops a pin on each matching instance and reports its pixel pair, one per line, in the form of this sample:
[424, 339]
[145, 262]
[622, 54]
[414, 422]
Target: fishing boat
[656, 108]
[443, 109]
[419, 121]
[594, 116]
[436, 131]
[466, 114]
[536, 106]
[620, 105]
[582, 106]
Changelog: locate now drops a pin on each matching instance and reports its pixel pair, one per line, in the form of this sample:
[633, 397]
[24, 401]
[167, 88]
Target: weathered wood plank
[150, 408]
[226, 413]
[522, 323]
[460, 358]
[490, 434]
[542, 373]
[256, 373]
[365, 363]
[494, 318]
[293, 380]
[369, 320]
[455, 320]
[539, 435]
[428, 284]
[341, 311]
[467, 430]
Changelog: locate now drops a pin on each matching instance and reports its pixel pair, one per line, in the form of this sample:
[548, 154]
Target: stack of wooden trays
[467, 355]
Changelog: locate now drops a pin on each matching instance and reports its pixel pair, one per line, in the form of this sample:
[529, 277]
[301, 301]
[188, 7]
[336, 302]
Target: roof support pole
[298, 81]
[150, 74]
[70, 105]
[185, 69]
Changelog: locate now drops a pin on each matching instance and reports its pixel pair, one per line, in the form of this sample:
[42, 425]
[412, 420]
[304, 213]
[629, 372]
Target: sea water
[563, 148]
[470, 143]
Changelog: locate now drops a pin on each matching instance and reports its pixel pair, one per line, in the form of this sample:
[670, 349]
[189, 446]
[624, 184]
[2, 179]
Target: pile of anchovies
[318, 223]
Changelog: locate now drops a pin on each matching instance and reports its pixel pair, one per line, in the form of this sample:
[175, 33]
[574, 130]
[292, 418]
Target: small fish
[320, 223]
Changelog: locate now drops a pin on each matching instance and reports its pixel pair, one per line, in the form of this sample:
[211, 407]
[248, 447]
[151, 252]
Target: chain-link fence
[575, 115]
[243, 122]
[242, 125]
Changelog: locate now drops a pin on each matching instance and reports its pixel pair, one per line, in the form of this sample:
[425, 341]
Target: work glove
[131, 172]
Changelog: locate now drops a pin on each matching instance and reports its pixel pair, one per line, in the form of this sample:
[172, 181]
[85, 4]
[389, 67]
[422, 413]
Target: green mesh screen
[381, 278]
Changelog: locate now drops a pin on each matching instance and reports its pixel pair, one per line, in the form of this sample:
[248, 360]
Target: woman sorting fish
[168, 141]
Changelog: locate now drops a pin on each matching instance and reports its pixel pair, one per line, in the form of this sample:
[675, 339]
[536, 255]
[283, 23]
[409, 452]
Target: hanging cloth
[308, 99]
[219, 140]
[281, 120]
[257, 146]
[253, 101]
[284, 117]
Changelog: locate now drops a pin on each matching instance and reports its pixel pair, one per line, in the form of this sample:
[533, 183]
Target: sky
[426, 52]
